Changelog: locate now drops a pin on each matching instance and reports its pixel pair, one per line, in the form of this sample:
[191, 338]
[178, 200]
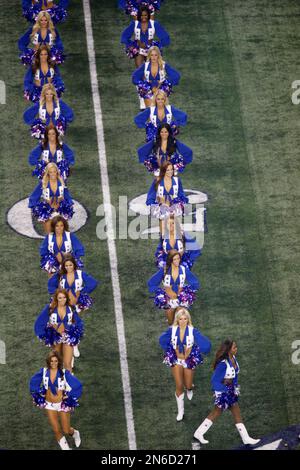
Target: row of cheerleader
[174, 286]
[59, 325]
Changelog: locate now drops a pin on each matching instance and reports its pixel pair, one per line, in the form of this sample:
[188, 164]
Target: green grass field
[238, 61]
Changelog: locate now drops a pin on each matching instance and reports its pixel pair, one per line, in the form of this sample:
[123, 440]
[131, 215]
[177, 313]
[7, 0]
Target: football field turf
[238, 61]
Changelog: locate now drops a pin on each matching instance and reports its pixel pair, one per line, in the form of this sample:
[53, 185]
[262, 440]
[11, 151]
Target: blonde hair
[160, 93]
[179, 312]
[177, 227]
[46, 178]
[45, 88]
[37, 26]
[161, 63]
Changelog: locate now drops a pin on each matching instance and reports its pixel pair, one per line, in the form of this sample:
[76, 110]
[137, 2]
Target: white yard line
[110, 229]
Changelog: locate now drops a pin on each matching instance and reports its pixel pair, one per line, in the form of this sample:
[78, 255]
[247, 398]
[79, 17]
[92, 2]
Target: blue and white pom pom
[39, 169]
[187, 296]
[74, 334]
[84, 302]
[57, 56]
[144, 89]
[50, 337]
[64, 169]
[226, 399]
[178, 163]
[170, 357]
[27, 56]
[31, 13]
[79, 263]
[132, 49]
[151, 163]
[58, 14]
[49, 263]
[61, 125]
[151, 132]
[33, 95]
[195, 358]
[38, 129]
[69, 404]
[161, 299]
[66, 209]
[166, 86]
[39, 398]
[42, 211]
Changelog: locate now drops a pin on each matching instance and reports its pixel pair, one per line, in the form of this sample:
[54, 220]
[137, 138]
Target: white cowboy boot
[76, 351]
[189, 394]
[244, 435]
[64, 444]
[77, 438]
[203, 428]
[180, 406]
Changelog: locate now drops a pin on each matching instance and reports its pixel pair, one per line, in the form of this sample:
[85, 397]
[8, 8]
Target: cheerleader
[76, 282]
[57, 244]
[58, 13]
[131, 7]
[179, 286]
[57, 391]
[51, 150]
[173, 238]
[159, 114]
[166, 195]
[165, 148]
[58, 326]
[39, 74]
[50, 198]
[153, 74]
[144, 30]
[49, 110]
[226, 392]
[42, 33]
[183, 345]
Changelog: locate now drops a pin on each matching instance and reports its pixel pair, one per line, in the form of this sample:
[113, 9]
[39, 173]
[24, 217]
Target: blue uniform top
[52, 73]
[45, 317]
[185, 276]
[224, 370]
[67, 381]
[46, 155]
[171, 115]
[176, 191]
[49, 40]
[37, 194]
[154, 29]
[191, 245]
[197, 338]
[148, 149]
[144, 73]
[37, 111]
[83, 282]
[70, 244]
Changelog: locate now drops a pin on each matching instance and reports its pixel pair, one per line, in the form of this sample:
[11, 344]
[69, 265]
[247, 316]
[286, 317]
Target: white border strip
[110, 229]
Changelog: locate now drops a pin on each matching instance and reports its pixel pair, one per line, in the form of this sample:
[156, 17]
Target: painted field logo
[20, 219]
[132, 219]
[296, 93]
